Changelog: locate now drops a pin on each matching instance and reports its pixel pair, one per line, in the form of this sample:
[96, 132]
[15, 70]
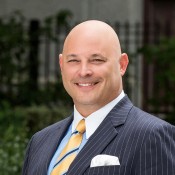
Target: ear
[123, 63]
[61, 61]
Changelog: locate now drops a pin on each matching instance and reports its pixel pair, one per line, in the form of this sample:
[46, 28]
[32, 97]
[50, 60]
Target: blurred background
[31, 37]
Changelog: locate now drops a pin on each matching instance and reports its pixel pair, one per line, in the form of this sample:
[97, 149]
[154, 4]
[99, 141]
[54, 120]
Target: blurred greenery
[162, 57]
[13, 139]
[18, 124]
[25, 110]
[18, 61]
[13, 45]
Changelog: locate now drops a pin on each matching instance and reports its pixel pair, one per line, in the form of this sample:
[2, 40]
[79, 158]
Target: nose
[85, 70]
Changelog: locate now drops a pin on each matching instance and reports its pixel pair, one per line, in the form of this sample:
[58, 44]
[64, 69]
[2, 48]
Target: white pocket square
[104, 160]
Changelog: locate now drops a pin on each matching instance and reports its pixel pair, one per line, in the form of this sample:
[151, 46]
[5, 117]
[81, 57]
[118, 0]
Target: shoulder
[47, 135]
[138, 113]
[147, 131]
[148, 123]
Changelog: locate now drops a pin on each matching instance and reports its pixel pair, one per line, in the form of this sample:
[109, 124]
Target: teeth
[85, 84]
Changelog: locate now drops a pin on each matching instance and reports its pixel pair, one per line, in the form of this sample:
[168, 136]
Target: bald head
[96, 32]
[92, 65]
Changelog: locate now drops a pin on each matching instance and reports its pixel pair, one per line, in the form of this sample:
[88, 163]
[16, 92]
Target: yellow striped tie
[70, 150]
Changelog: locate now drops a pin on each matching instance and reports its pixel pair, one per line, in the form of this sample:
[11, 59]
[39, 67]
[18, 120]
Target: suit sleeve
[26, 158]
[157, 155]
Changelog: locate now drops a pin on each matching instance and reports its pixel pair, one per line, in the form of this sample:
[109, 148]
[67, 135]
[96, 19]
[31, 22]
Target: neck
[86, 110]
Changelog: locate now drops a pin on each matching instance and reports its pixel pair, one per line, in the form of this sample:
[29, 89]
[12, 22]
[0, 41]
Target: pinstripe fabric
[145, 145]
[44, 143]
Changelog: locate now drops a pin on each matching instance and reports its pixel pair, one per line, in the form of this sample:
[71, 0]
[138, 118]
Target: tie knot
[81, 126]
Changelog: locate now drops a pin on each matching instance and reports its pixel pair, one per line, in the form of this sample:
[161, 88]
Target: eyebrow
[71, 56]
[95, 55]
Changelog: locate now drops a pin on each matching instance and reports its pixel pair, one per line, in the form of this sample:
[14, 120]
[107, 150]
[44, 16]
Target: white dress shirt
[95, 119]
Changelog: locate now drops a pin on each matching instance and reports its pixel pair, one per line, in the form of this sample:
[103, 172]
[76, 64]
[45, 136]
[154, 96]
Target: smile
[86, 84]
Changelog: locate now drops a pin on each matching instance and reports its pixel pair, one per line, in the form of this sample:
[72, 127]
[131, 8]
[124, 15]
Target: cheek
[114, 76]
[67, 72]
[111, 71]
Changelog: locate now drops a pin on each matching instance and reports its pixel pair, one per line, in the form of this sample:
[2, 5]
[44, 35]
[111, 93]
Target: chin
[87, 102]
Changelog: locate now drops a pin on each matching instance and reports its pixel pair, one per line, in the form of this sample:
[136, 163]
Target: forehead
[86, 43]
[91, 39]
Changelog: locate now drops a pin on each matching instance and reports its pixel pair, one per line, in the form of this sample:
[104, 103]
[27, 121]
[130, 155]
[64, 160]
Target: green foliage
[39, 117]
[62, 21]
[13, 132]
[19, 69]
[25, 110]
[162, 57]
[63, 18]
[13, 45]
[17, 126]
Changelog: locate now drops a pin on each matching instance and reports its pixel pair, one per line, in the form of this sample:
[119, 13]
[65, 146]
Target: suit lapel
[56, 135]
[106, 132]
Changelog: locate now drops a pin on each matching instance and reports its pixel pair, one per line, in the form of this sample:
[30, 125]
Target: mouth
[86, 84]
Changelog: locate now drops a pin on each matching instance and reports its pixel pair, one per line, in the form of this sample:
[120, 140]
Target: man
[119, 138]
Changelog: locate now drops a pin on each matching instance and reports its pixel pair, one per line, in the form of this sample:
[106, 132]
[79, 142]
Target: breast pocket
[105, 170]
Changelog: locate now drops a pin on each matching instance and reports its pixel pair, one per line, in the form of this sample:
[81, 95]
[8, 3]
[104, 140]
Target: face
[91, 71]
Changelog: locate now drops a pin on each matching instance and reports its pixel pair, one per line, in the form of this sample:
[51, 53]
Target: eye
[97, 58]
[97, 61]
[73, 61]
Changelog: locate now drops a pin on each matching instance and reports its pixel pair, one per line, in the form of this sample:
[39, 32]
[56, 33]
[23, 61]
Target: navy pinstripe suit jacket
[144, 144]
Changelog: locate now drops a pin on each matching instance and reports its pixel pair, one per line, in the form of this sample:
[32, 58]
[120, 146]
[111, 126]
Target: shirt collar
[95, 119]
